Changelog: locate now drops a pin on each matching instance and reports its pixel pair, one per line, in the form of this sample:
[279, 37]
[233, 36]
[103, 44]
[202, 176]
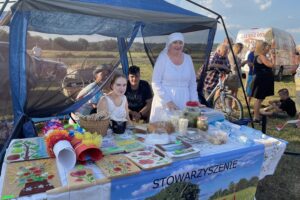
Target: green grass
[289, 133]
[285, 183]
[246, 194]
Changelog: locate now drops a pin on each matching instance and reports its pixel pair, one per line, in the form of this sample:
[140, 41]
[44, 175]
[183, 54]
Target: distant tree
[94, 46]
[178, 191]
[51, 44]
[231, 187]
[137, 46]
[242, 184]
[253, 181]
[60, 43]
[83, 43]
[109, 45]
[217, 194]
[225, 192]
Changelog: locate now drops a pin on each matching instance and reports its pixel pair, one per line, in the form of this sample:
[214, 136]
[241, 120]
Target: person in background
[37, 51]
[220, 61]
[226, 41]
[199, 73]
[139, 95]
[173, 79]
[115, 102]
[233, 81]
[263, 85]
[100, 74]
[285, 107]
[251, 72]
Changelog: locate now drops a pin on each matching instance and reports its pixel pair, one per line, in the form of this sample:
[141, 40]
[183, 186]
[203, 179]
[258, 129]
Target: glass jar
[202, 123]
[192, 112]
[192, 118]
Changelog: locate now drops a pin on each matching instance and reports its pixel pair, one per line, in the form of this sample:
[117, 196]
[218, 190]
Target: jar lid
[192, 103]
[202, 118]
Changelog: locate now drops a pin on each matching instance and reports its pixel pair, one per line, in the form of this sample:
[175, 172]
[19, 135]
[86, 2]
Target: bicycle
[225, 100]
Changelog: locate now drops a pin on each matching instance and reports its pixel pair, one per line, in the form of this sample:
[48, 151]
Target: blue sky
[246, 14]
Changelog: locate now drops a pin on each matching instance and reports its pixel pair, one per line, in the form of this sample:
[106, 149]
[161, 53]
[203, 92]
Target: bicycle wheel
[225, 105]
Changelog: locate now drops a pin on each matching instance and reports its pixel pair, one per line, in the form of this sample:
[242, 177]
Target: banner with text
[232, 175]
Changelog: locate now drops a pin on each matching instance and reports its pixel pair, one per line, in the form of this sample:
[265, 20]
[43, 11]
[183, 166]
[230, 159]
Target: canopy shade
[114, 18]
[118, 19]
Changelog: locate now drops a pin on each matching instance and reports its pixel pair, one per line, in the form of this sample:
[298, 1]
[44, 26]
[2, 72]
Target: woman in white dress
[173, 79]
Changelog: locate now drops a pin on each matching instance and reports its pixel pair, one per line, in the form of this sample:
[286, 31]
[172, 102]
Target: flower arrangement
[53, 137]
[53, 124]
[89, 138]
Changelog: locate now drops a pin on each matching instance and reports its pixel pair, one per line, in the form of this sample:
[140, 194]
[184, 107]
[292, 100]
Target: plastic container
[202, 123]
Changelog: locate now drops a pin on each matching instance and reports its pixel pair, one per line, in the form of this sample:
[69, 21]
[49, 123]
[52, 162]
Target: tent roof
[158, 16]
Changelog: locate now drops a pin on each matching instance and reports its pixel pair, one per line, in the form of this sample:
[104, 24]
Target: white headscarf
[174, 37]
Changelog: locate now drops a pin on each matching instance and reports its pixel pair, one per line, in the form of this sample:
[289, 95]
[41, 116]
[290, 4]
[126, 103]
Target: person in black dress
[263, 85]
[139, 96]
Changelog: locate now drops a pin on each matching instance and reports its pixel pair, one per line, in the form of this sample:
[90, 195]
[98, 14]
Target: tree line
[180, 190]
[232, 187]
[82, 44]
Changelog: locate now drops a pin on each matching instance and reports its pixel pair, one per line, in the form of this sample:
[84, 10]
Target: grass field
[285, 183]
[246, 194]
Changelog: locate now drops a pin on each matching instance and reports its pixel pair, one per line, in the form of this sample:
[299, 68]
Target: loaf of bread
[160, 127]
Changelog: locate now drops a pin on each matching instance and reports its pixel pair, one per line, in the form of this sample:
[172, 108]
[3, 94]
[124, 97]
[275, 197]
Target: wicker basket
[99, 126]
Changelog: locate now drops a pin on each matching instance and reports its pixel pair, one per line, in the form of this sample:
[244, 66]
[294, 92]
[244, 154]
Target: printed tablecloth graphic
[230, 174]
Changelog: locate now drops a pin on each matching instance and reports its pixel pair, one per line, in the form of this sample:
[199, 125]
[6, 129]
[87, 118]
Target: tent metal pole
[129, 52]
[3, 6]
[231, 49]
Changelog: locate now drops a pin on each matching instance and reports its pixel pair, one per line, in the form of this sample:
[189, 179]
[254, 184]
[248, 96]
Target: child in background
[285, 107]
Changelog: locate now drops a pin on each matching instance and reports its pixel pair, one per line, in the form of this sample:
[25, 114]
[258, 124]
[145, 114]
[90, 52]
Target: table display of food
[196, 147]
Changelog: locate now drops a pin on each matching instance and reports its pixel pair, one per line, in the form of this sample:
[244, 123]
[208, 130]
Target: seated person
[100, 74]
[285, 107]
[115, 102]
[139, 96]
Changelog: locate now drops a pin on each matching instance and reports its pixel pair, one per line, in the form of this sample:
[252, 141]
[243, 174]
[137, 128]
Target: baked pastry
[160, 127]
